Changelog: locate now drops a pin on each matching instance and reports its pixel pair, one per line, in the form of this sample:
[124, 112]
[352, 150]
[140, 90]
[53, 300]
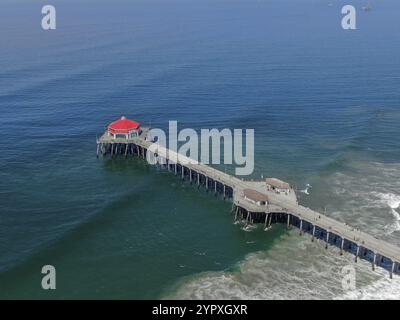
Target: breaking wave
[393, 202]
[382, 289]
[315, 274]
[368, 198]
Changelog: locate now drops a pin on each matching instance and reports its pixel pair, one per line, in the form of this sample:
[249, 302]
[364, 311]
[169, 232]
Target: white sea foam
[249, 227]
[314, 274]
[368, 198]
[391, 199]
[393, 202]
[382, 289]
[295, 268]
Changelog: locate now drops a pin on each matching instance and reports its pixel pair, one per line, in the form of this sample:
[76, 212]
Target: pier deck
[281, 207]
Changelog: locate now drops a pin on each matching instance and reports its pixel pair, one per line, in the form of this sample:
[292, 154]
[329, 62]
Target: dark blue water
[324, 103]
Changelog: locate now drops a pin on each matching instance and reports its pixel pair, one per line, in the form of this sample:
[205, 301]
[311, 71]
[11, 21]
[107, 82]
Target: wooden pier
[280, 207]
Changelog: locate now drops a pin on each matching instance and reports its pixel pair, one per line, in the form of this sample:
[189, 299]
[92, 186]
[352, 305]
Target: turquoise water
[324, 104]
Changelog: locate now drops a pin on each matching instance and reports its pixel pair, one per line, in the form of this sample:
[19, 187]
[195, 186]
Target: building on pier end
[124, 128]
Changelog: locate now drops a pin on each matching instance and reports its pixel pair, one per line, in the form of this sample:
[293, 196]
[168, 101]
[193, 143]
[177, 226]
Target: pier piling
[357, 253]
[327, 240]
[313, 233]
[341, 247]
[392, 270]
[374, 262]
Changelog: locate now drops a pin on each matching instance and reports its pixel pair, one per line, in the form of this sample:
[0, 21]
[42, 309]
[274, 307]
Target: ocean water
[324, 103]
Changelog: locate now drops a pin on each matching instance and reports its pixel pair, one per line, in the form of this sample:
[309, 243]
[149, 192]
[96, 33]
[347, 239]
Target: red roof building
[124, 128]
